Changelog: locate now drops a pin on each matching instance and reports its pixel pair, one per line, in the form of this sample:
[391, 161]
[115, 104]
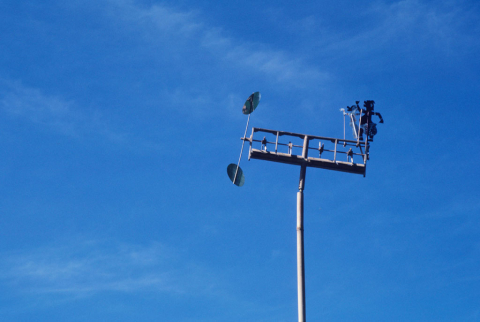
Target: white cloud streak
[20, 101]
[276, 65]
[403, 25]
[52, 111]
[63, 115]
[160, 22]
[88, 268]
[411, 26]
[411, 22]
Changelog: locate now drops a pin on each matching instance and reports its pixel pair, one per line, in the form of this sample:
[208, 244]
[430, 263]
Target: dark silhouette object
[350, 155]
[367, 126]
[320, 149]
[264, 143]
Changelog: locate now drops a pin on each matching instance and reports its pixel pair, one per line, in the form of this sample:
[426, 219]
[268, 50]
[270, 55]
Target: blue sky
[118, 119]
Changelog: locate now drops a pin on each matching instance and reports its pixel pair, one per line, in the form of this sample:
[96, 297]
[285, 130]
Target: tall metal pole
[300, 256]
[300, 252]
[304, 161]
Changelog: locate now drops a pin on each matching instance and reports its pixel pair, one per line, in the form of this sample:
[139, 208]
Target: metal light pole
[326, 161]
[300, 253]
[305, 161]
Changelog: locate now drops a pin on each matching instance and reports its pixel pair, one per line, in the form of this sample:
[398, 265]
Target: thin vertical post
[276, 143]
[300, 259]
[359, 126]
[300, 248]
[335, 152]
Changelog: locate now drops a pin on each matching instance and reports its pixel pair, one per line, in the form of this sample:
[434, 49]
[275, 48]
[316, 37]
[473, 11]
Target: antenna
[234, 172]
[365, 124]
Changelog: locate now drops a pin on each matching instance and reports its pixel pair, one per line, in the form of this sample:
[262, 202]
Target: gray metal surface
[300, 258]
[335, 148]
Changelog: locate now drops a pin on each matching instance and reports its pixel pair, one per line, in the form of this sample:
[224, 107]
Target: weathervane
[330, 154]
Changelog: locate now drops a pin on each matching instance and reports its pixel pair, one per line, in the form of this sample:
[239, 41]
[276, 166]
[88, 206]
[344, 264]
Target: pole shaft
[300, 252]
[300, 259]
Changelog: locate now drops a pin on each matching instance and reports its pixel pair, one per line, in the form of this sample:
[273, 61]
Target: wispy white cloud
[88, 268]
[189, 33]
[53, 111]
[275, 64]
[160, 22]
[63, 115]
[433, 22]
[20, 101]
[411, 26]
[402, 28]
[157, 20]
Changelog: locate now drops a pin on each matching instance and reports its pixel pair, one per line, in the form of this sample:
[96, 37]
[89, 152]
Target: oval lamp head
[251, 103]
[231, 169]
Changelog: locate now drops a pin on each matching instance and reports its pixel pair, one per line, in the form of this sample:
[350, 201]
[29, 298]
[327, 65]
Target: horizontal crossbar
[309, 161]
